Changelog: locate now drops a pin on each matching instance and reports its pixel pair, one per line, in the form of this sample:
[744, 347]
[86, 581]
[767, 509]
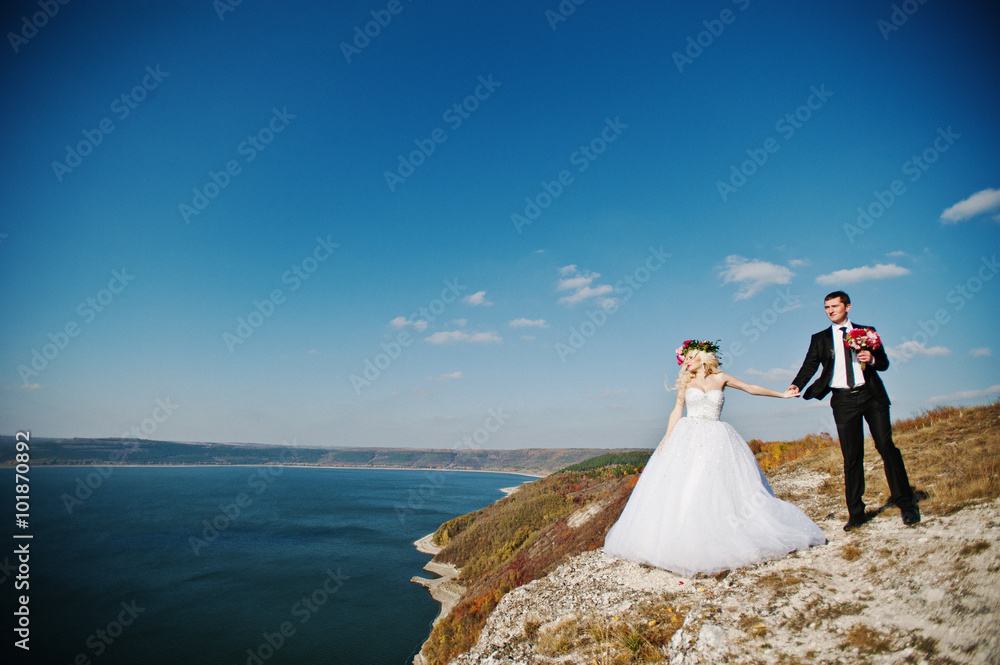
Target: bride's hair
[710, 362]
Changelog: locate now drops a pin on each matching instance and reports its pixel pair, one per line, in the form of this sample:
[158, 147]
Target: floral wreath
[710, 347]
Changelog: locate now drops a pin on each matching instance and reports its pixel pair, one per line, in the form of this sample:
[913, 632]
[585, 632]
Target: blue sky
[406, 223]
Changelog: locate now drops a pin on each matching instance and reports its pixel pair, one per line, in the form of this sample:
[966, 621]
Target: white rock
[711, 637]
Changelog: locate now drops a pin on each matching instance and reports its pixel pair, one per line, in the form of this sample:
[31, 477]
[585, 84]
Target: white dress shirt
[839, 379]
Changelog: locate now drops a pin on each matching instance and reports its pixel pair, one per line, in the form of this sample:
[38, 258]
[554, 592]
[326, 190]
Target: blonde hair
[709, 360]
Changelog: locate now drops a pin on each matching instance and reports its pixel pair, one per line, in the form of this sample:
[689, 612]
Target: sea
[226, 565]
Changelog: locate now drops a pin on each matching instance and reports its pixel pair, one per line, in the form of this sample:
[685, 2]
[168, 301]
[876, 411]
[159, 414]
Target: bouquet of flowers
[863, 339]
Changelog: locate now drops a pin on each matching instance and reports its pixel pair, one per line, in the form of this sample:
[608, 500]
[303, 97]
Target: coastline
[290, 466]
[445, 589]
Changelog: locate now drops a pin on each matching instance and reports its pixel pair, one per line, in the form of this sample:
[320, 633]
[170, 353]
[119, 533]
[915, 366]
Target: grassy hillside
[521, 538]
[952, 455]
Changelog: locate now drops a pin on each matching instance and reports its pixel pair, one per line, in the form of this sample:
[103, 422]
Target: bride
[702, 504]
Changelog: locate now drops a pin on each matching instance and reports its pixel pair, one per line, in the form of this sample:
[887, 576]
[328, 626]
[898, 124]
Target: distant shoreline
[289, 466]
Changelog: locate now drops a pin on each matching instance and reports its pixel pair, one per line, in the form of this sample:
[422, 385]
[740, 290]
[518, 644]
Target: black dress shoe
[855, 521]
[911, 517]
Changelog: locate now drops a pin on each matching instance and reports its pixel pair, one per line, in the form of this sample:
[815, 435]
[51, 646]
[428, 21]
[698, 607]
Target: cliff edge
[540, 590]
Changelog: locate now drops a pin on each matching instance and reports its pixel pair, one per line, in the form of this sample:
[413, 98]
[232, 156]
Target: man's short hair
[844, 298]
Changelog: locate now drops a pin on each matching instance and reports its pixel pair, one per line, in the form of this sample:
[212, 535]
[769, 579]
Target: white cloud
[896, 254]
[525, 323]
[580, 284]
[477, 298]
[447, 377]
[911, 348]
[776, 374]
[460, 322]
[24, 387]
[864, 273]
[753, 275]
[981, 202]
[610, 393]
[402, 322]
[798, 263]
[966, 394]
[451, 336]
[981, 352]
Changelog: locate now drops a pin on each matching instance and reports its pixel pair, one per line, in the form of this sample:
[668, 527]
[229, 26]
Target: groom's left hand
[864, 356]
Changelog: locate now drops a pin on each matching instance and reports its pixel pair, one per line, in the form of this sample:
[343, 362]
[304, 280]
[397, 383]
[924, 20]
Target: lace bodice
[702, 405]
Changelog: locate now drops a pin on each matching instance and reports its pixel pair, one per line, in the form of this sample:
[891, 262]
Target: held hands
[791, 391]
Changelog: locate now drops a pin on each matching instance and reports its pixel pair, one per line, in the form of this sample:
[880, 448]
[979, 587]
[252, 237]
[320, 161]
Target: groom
[852, 377]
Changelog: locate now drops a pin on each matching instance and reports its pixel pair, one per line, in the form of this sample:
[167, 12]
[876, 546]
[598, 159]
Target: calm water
[314, 568]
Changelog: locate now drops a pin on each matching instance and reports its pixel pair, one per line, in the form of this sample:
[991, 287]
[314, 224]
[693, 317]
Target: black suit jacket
[821, 353]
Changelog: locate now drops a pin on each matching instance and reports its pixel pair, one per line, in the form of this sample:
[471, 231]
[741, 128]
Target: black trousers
[849, 408]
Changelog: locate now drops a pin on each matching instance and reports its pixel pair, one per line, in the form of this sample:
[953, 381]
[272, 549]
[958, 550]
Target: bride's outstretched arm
[675, 415]
[755, 389]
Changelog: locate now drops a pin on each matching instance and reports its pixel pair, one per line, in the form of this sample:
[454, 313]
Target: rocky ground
[881, 594]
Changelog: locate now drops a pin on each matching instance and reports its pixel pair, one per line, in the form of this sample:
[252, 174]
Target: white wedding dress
[703, 505]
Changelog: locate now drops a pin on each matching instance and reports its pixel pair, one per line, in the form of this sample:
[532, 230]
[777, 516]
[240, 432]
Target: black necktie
[848, 359]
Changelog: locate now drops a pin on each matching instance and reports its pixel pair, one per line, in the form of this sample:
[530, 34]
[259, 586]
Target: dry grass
[773, 454]
[781, 584]
[952, 456]
[927, 645]
[559, 639]
[531, 626]
[850, 552]
[639, 636]
[754, 627]
[867, 639]
[974, 548]
[816, 612]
